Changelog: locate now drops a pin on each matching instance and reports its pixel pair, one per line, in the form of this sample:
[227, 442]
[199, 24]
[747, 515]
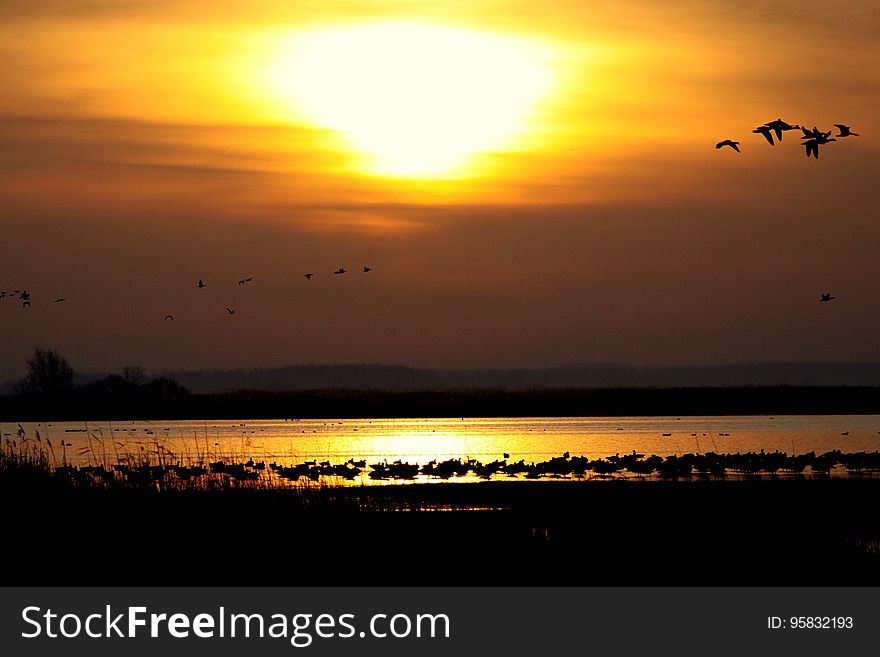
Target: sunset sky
[532, 183]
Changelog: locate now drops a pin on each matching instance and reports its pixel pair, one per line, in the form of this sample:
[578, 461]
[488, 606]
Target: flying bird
[171, 317]
[245, 280]
[367, 269]
[815, 133]
[341, 270]
[202, 283]
[845, 131]
[308, 276]
[812, 145]
[61, 299]
[728, 142]
[231, 311]
[826, 296]
[779, 126]
[764, 130]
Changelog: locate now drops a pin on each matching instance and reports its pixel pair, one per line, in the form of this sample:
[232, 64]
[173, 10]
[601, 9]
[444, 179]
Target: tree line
[50, 383]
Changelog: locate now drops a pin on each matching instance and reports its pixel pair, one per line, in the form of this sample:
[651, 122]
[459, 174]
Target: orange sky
[146, 145]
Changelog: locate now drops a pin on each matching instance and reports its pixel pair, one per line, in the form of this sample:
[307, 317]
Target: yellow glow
[412, 99]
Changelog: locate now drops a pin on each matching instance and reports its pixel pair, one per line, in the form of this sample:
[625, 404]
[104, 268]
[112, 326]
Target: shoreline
[392, 403]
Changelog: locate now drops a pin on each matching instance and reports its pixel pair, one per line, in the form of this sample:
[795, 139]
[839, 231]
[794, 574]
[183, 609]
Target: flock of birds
[25, 297]
[812, 138]
[633, 465]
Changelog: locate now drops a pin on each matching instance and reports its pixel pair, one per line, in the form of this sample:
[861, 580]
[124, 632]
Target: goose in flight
[728, 142]
[815, 133]
[202, 283]
[308, 276]
[231, 311]
[341, 270]
[845, 131]
[367, 269]
[245, 280]
[764, 130]
[826, 296]
[812, 145]
[779, 126]
[171, 317]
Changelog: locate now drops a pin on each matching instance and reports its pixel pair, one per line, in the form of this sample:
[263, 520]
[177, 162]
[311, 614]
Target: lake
[288, 442]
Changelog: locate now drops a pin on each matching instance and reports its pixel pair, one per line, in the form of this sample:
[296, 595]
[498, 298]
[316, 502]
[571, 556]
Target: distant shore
[371, 403]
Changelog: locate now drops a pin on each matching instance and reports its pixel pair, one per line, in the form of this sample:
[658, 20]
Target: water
[288, 442]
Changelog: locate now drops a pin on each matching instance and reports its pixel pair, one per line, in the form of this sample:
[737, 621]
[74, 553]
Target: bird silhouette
[728, 142]
[845, 131]
[815, 133]
[826, 296]
[61, 299]
[202, 283]
[779, 126]
[231, 311]
[308, 276]
[764, 130]
[367, 269]
[812, 145]
[171, 317]
[341, 270]
[245, 280]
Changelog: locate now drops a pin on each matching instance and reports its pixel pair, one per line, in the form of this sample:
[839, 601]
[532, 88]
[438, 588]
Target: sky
[532, 184]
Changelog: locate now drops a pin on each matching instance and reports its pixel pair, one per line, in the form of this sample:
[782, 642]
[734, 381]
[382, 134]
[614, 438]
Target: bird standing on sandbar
[202, 283]
[728, 142]
[341, 270]
[308, 276]
[367, 269]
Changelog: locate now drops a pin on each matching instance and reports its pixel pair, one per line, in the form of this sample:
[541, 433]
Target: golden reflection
[411, 100]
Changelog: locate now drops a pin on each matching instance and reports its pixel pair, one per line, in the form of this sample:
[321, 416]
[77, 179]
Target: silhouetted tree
[48, 373]
[163, 387]
[134, 375]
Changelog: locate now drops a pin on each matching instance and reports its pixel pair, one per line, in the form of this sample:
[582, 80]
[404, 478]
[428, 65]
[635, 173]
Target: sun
[412, 100]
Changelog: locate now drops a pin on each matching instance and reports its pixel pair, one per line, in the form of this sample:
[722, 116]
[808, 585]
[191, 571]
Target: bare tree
[48, 373]
[134, 375]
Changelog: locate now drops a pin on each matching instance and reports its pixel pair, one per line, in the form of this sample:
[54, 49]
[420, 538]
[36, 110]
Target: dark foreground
[822, 531]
